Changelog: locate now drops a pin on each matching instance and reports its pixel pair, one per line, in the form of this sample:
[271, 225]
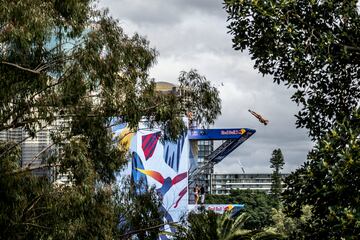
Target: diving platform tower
[200, 171]
[171, 166]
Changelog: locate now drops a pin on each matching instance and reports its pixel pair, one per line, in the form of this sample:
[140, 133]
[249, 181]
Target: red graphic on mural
[149, 144]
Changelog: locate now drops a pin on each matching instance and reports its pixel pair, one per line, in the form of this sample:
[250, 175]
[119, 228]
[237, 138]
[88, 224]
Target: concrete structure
[224, 183]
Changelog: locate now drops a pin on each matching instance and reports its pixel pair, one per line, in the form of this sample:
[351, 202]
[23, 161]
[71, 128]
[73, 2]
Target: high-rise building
[31, 148]
[34, 150]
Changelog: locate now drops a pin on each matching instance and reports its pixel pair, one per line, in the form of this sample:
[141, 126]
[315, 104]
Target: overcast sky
[192, 34]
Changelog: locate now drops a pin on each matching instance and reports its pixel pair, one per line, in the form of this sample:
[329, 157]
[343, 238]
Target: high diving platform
[167, 165]
[231, 137]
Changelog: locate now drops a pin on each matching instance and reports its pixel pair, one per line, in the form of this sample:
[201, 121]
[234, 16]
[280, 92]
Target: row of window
[244, 176]
[245, 180]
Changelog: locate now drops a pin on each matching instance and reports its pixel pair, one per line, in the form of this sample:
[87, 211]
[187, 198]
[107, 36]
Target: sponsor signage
[219, 134]
[218, 208]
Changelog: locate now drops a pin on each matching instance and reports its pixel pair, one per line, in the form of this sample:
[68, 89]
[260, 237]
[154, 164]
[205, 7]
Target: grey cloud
[143, 12]
[160, 11]
[175, 27]
[255, 157]
[192, 34]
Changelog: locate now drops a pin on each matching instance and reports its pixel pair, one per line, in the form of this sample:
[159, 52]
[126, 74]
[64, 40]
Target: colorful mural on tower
[163, 164]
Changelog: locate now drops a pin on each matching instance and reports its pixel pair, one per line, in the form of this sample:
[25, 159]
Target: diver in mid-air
[259, 117]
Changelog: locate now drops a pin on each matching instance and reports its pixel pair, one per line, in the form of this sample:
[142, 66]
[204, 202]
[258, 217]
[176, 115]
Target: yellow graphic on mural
[125, 138]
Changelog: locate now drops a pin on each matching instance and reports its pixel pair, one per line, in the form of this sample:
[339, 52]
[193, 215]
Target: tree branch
[20, 142]
[61, 79]
[22, 170]
[20, 67]
[129, 234]
[37, 155]
[34, 225]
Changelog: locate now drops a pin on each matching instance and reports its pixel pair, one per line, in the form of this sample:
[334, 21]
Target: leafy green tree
[290, 227]
[258, 206]
[32, 208]
[329, 183]
[139, 214]
[67, 66]
[311, 46]
[277, 163]
[199, 226]
[208, 225]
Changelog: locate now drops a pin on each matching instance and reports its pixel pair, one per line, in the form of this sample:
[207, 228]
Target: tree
[31, 207]
[329, 183]
[138, 213]
[208, 225]
[69, 67]
[311, 46]
[289, 227]
[277, 163]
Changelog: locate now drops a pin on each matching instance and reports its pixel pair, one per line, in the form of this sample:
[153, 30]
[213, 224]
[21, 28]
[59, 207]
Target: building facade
[35, 150]
[30, 147]
[205, 148]
[224, 183]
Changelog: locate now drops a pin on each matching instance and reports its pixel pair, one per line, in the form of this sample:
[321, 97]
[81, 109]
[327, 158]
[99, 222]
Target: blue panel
[138, 178]
[234, 137]
[172, 152]
[218, 134]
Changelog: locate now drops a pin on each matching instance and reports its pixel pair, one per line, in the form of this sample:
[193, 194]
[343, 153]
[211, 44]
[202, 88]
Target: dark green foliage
[202, 226]
[311, 46]
[197, 87]
[139, 214]
[258, 206]
[207, 225]
[277, 163]
[329, 182]
[32, 208]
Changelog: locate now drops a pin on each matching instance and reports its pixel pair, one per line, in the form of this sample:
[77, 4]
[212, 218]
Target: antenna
[241, 165]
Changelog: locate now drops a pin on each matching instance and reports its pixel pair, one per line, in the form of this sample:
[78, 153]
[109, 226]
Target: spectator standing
[196, 193]
[202, 194]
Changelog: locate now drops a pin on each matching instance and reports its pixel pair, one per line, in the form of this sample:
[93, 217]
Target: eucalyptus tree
[68, 65]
